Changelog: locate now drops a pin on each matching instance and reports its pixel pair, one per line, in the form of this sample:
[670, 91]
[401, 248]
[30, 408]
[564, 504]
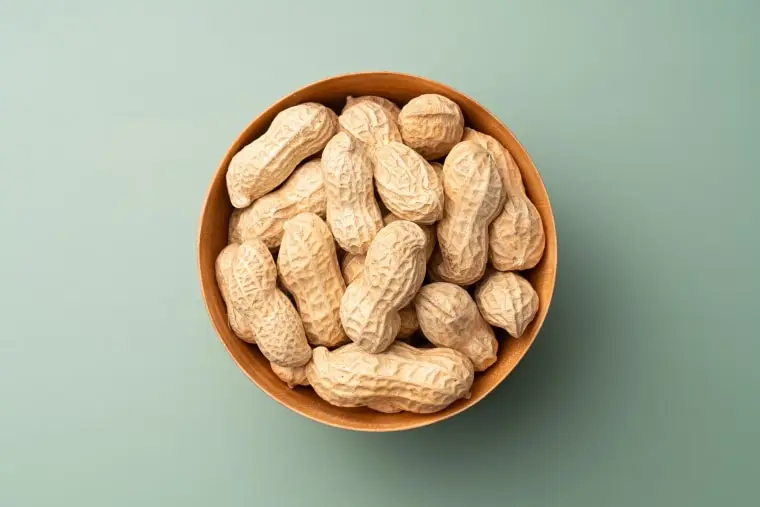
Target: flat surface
[642, 388]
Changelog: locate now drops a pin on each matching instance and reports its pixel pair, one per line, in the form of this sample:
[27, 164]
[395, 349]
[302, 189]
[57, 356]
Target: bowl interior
[213, 237]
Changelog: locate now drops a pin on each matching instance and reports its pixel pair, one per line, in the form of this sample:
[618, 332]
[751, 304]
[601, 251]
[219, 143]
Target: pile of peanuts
[371, 253]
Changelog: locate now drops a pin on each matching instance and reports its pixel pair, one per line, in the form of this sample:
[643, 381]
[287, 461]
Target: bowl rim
[547, 217]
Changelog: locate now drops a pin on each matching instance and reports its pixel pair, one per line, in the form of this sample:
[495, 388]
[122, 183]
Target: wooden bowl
[212, 238]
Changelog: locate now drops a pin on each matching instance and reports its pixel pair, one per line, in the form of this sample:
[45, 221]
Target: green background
[641, 389]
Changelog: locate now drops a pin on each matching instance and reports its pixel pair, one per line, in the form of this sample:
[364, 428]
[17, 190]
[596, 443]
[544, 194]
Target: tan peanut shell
[508, 301]
[352, 212]
[291, 375]
[352, 266]
[302, 192]
[438, 168]
[409, 324]
[473, 192]
[402, 378]
[369, 123]
[390, 107]
[516, 237]
[511, 178]
[273, 318]
[224, 277]
[431, 125]
[407, 184]
[449, 318]
[309, 270]
[429, 231]
[394, 269]
[295, 134]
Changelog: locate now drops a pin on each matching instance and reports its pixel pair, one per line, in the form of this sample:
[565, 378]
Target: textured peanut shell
[511, 178]
[309, 270]
[302, 192]
[409, 324]
[390, 107]
[516, 238]
[407, 184]
[224, 277]
[473, 192]
[369, 123]
[352, 266]
[352, 211]
[293, 376]
[431, 125]
[295, 134]
[402, 378]
[394, 269]
[449, 318]
[508, 301]
[429, 231]
[273, 318]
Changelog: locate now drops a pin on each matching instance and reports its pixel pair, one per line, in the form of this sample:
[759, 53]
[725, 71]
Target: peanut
[407, 185]
[517, 239]
[273, 319]
[390, 107]
[303, 191]
[309, 270]
[401, 378]
[508, 301]
[394, 269]
[369, 123]
[431, 124]
[516, 236]
[429, 231]
[352, 267]
[408, 324]
[449, 318]
[352, 212]
[472, 189]
[295, 134]
[293, 376]
[224, 277]
[511, 178]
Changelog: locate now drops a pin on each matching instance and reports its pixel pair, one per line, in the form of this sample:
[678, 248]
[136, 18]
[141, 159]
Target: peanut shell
[449, 317]
[394, 269]
[369, 123]
[431, 125]
[303, 191]
[274, 321]
[508, 301]
[402, 378]
[295, 134]
[407, 184]
[309, 270]
[473, 192]
[352, 212]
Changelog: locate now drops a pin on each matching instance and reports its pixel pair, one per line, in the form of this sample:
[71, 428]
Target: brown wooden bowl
[212, 238]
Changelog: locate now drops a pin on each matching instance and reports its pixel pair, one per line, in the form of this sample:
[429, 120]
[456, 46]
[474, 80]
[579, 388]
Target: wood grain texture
[212, 238]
